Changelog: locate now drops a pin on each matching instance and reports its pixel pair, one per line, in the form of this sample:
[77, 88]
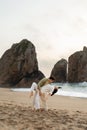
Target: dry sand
[65, 113]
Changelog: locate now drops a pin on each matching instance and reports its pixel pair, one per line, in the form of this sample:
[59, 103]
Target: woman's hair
[54, 91]
[52, 78]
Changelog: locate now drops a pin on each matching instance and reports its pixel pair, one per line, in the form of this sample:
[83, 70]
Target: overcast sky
[57, 28]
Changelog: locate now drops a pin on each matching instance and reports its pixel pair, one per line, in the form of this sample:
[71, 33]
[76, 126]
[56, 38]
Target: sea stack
[19, 65]
[77, 66]
[59, 71]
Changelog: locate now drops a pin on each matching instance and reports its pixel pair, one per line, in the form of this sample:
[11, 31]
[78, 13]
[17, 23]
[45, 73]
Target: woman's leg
[36, 101]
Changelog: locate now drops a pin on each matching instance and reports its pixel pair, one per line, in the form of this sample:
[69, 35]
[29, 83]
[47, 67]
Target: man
[44, 82]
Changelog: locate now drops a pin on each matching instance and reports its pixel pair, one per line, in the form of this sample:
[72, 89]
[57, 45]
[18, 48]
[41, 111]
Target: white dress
[36, 100]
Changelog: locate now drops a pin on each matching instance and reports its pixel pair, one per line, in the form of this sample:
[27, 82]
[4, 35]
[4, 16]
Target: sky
[57, 28]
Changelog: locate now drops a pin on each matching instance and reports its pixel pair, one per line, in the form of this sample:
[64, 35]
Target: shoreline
[60, 93]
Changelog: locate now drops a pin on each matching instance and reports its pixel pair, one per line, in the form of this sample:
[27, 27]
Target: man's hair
[54, 91]
[52, 78]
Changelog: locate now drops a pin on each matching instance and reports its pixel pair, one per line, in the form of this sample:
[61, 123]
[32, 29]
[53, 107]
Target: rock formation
[19, 65]
[77, 66]
[59, 71]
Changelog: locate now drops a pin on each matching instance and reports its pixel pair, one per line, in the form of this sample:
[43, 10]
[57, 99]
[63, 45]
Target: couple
[42, 90]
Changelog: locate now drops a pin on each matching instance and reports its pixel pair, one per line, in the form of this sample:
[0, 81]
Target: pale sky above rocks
[57, 28]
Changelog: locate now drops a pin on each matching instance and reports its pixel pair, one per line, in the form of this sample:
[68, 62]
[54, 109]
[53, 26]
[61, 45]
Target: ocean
[68, 89]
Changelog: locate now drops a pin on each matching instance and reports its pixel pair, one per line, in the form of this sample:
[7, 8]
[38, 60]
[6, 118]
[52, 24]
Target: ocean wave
[68, 89]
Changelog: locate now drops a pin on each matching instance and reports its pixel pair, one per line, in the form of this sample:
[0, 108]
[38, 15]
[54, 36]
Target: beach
[64, 113]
